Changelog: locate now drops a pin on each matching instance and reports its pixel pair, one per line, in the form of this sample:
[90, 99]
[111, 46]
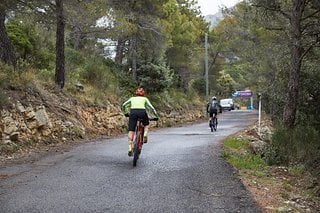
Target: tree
[300, 20]
[60, 60]
[186, 29]
[134, 22]
[7, 52]
[84, 27]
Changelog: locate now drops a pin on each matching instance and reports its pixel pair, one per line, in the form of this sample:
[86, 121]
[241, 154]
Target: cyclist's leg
[145, 122]
[130, 142]
[216, 117]
[145, 134]
[210, 117]
[132, 125]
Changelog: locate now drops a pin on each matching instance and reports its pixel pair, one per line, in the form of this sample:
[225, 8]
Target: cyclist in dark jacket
[212, 108]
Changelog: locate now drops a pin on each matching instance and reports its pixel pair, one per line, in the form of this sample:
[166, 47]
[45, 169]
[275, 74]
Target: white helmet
[214, 98]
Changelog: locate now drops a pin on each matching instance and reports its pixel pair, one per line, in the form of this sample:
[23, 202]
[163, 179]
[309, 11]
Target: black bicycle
[138, 140]
[213, 123]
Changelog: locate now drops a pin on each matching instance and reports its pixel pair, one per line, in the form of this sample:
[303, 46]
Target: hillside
[42, 116]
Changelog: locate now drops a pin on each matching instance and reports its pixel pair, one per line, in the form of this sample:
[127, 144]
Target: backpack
[213, 105]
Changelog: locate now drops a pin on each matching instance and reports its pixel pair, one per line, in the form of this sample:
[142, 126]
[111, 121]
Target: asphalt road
[179, 170]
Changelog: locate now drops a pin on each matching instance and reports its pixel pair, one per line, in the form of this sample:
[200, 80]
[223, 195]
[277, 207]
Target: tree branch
[273, 9]
[311, 15]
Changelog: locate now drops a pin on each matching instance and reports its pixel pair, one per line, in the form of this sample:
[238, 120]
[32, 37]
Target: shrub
[298, 146]
[97, 73]
[199, 85]
[156, 78]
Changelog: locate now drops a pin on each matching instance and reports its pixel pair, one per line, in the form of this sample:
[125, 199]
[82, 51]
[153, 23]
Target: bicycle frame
[138, 139]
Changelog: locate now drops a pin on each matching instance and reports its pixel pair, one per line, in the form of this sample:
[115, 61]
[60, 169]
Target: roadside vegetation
[276, 186]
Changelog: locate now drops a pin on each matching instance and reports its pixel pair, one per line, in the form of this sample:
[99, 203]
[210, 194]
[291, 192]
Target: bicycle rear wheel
[215, 124]
[136, 149]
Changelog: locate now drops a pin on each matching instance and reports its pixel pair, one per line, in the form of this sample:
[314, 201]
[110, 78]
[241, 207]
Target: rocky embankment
[38, 116]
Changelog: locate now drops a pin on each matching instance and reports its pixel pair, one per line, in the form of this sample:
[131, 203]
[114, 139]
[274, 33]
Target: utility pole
[259, 118]
[206, 67]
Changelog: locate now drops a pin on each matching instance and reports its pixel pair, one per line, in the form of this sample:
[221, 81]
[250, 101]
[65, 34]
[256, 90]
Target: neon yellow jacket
[139, 102]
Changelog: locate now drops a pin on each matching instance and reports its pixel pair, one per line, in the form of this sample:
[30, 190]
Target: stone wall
[22, 124]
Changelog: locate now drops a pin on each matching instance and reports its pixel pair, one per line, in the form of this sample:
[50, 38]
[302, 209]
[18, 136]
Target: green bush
[22, 36]
[156, 78]
[29, 45]
[97, 73]
[74, 58]
[199, 85]
[44, 59]
[298, 146]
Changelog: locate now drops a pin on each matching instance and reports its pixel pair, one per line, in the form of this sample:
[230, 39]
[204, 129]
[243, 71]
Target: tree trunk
[289, 114]
[119, 51]
[76, 37]
[59, 76]
[134, 57]
[7, 52]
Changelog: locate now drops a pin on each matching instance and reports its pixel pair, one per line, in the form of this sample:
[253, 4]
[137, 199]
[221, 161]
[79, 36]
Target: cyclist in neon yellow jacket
[135, 108]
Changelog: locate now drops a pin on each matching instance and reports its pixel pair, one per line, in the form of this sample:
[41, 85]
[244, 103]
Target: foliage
[156, 78]
[299, 146]
[198, 84]
[225, 84]
[186, 31]
[30, 46]
[309, 99]
[96, 72]
[22, 36]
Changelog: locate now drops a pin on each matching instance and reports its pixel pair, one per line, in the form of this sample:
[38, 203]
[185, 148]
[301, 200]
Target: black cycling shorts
[134, 115]
[213, 111]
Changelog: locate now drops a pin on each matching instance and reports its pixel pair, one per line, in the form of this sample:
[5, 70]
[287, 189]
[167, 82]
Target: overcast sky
[210, 7]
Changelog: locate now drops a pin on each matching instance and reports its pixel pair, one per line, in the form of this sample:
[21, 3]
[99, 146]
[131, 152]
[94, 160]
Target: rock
[32, 124]
[14, 136]
[284, 209]
[257, 146]
[20, 107]
[29, 113]
[46, 132]
[265, 133]
[10, 125]
[79, 87]
[42, 117]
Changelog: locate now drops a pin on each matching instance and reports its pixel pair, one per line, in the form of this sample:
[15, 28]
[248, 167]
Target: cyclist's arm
[126, 106]
[151, 108]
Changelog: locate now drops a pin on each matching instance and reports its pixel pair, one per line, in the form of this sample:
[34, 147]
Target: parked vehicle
[227, 104]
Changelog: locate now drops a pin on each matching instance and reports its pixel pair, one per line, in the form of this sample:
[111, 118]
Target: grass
[238, 154]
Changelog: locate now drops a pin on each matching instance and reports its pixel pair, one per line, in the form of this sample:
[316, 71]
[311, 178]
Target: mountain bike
[138, 140]
[213, 123]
